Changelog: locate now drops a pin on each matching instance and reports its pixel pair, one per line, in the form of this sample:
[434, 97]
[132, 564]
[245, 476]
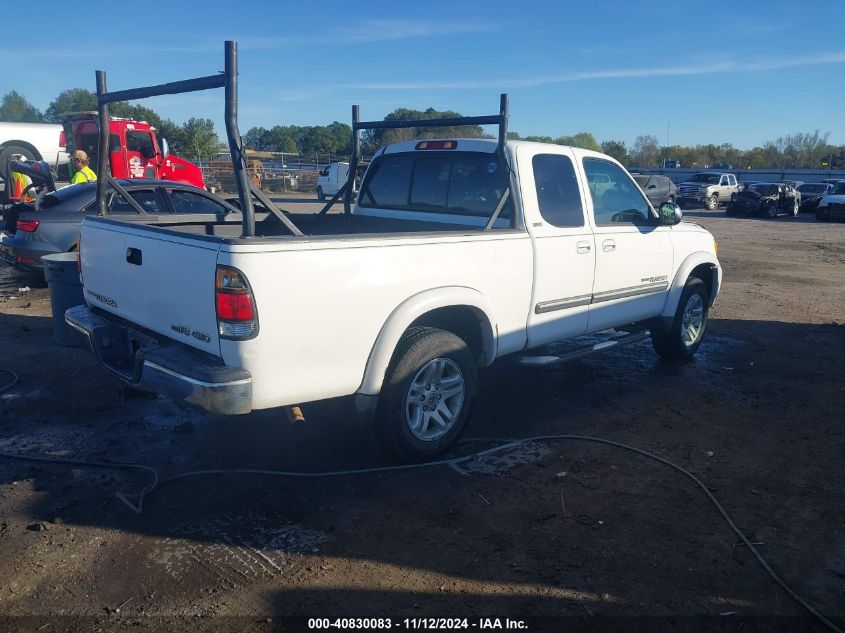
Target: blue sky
[701, 72]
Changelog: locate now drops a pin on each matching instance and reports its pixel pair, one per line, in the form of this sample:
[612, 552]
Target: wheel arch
[701, 265]
[28, 146]
[457, 309]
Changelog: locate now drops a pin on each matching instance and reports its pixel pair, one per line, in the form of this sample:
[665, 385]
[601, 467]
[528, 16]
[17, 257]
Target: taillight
[236, 318]
[437, 145]
[28, 225]
[62, 139]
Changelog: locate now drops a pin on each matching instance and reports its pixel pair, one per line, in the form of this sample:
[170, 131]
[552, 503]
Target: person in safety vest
[83, 172]
[19, 184]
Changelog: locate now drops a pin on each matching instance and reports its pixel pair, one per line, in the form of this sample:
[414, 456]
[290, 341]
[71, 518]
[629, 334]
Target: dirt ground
[562, 534]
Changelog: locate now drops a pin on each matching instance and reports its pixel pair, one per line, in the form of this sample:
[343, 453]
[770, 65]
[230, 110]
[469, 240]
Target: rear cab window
[449, 185]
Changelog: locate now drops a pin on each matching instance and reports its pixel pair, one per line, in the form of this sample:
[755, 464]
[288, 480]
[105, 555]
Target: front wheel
[712, 202]
[320, 195]
[796, 208]
[772, 210]
[684, 336]
[427, 394]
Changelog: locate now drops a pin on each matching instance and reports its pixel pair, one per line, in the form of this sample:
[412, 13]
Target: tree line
[196, 139]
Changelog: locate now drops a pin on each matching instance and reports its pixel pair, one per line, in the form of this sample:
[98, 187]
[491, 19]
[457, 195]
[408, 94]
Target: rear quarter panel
[322, 304]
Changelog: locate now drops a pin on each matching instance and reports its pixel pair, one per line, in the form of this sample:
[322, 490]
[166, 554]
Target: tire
[729, 209]
[679, 342]
[430, 368]
[772, 210]
[320, 195]
[796, 208]
[6, 154]
[712, 202]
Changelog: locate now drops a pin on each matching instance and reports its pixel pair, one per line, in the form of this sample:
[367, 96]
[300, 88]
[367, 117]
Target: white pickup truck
[34, 141]
[456, 253]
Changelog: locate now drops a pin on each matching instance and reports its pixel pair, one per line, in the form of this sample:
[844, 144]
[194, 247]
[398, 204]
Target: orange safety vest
[19, 183]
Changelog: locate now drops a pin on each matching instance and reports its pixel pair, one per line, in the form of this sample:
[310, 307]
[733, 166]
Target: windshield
[764, 189]
[812, 188]
[642, 181]
[711, 179]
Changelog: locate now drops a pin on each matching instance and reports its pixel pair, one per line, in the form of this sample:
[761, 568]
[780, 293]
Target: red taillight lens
[234, 307]
[236, 317]
[27, 225]
[62, 139]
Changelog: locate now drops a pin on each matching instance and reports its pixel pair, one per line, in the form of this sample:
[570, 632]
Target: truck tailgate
[153, 278]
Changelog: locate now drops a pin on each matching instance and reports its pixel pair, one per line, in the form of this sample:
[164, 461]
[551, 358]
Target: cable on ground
[138, 508]
[15, 379]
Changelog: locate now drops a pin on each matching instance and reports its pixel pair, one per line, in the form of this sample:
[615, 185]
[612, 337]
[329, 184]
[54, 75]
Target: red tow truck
[134, 149]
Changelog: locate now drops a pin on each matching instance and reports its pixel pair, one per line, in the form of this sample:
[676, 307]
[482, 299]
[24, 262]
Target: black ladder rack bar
[500, 119]
[228, 80]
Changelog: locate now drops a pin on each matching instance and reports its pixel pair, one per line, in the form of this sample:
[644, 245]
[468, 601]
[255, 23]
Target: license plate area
[121, 350]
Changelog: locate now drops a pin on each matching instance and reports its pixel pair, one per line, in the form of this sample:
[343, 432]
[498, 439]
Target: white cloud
[835, 57]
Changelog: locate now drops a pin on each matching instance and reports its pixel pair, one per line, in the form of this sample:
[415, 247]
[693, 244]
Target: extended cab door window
[558, 195]
[615, 198]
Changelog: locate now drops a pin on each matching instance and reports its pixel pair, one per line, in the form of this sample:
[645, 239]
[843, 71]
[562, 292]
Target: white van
[331, 179]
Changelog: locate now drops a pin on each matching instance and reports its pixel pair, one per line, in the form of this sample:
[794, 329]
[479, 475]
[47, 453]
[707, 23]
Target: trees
[616, 149]
[584, 140]
[200, 142]
[73, 100]
[645, 151]
[17, 109]
[373, 139]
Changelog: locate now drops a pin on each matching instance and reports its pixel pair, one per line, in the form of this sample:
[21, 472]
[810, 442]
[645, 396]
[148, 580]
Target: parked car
[54, 228]
[811, 194]
[768, 199]
[658, 189]
[709, 189]
[832, 205]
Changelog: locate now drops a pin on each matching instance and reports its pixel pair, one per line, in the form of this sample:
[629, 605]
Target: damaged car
[765, 199]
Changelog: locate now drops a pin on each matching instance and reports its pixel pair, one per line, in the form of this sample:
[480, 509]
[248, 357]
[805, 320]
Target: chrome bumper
[169, 369]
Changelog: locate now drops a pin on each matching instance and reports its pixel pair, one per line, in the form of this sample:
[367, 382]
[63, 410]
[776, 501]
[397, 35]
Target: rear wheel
[684, 336]
[427, 394]
[796, 208]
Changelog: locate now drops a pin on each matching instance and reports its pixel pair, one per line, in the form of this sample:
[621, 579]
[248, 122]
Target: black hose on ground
[8, 386]
[444, 462]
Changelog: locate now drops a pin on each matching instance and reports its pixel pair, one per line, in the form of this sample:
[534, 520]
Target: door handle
[133, 256]
[608, 245]
[583, 247]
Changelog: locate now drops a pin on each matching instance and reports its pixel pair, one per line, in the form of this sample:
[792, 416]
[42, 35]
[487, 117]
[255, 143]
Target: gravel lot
[552, 528]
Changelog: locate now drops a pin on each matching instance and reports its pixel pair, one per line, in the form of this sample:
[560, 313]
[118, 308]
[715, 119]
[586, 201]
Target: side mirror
[670, 214]
[165, 148]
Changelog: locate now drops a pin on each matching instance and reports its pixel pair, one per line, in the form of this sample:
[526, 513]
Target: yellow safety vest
[86, 174]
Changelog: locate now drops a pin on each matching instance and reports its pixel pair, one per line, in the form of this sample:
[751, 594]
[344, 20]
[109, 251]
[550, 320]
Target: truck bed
[327, 225]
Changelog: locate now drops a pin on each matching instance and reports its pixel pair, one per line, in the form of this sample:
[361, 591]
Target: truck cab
[134, 149]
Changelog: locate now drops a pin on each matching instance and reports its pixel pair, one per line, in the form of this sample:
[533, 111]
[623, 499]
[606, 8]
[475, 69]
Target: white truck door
[633, 256]
[564, 248]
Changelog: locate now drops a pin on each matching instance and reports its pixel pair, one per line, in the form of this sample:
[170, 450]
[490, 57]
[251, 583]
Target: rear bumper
[169, 369]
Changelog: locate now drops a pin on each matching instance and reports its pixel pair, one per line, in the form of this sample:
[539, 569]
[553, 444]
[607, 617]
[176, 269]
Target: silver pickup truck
[707, 189]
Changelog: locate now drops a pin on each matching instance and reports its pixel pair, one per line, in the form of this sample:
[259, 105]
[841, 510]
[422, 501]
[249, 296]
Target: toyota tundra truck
[457, 252]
